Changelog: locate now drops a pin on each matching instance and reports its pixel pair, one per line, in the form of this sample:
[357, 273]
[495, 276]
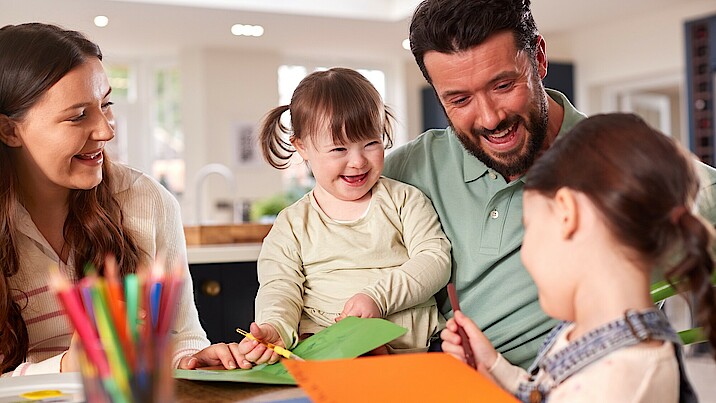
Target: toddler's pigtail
[275, 148]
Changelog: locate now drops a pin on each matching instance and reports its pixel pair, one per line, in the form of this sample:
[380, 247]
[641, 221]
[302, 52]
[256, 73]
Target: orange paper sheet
[427, 377]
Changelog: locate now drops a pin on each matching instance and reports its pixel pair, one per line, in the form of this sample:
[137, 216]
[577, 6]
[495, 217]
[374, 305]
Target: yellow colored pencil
[278, 349]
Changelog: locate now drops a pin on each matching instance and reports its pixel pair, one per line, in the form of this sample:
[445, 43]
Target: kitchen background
[192, 79]
[189, 93]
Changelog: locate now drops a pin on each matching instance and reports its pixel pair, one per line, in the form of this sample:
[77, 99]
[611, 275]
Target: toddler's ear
[7, 132]
[568, 211]
[300, 146]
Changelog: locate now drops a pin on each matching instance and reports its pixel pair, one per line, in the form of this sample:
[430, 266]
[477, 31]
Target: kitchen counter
[223, 253]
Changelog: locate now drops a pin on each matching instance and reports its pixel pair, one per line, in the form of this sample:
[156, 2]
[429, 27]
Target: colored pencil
[278, 349]
[455, 303]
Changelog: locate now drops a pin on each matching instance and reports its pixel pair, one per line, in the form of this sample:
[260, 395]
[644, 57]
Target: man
[485, 60]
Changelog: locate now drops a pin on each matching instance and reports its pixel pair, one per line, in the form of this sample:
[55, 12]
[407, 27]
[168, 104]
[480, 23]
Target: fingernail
[232, 364]
[246, 362]
[191, 362]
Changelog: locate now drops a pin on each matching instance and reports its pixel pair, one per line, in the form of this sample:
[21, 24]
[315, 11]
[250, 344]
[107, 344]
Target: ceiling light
[406, 44]
[101, 21]
[247, 30]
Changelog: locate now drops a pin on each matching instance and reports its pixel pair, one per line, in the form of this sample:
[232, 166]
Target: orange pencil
[115, 300]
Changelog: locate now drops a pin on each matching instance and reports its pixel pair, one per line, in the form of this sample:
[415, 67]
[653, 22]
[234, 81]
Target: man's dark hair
[449, 26]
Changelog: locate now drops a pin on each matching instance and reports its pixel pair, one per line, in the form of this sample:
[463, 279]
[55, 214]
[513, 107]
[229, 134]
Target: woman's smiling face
[60, 141]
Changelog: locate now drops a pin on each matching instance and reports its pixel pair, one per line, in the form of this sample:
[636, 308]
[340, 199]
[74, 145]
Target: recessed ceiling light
[101, 21]
[406, 44]
[247, 30]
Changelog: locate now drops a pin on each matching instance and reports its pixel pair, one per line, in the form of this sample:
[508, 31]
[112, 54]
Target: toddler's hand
[253, 353]
[482, 349]
[360, 305]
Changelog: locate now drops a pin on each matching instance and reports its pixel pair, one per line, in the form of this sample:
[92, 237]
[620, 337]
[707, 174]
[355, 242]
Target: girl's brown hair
[33, 57]
[340, 97]
[644, 185]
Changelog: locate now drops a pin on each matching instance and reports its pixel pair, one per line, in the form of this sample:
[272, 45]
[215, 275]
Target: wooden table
[202, 391]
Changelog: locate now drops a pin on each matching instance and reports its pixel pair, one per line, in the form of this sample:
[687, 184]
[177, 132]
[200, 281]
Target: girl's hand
[360, 305]
[244, 354]
[483, 351]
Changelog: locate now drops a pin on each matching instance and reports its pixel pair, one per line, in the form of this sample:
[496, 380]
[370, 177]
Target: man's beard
[513, 162]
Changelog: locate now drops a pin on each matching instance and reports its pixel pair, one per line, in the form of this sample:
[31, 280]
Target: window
[168, 148]
[123, 93]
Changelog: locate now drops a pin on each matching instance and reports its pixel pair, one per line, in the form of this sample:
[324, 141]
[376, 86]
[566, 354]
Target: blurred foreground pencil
[278, 349]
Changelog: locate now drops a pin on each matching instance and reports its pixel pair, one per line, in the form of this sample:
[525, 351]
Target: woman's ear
[568, 210]
[7, 132]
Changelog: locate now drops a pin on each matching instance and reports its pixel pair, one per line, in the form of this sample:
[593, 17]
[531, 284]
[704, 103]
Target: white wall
[220, 89]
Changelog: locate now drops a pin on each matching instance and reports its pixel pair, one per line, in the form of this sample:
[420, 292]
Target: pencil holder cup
[125, 344]
[146, 377]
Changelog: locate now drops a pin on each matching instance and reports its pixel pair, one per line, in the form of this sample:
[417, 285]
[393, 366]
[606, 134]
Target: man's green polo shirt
[482, 216]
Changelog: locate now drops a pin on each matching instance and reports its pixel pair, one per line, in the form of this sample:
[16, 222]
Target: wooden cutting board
[225, 234]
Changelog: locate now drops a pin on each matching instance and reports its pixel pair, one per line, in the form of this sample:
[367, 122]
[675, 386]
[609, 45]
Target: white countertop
[224, 253]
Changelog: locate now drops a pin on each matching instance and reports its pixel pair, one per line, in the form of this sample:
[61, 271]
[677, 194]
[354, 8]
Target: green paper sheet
[349, 338]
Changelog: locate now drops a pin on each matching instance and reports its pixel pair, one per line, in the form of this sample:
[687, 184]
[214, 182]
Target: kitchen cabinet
[225, 285]
[224, 295]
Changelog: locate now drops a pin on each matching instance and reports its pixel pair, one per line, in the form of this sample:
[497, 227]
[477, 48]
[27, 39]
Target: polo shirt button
[493, 175]
[494, 214]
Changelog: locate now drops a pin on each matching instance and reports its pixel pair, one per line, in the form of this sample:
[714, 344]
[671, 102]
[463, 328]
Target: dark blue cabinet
[224, 295]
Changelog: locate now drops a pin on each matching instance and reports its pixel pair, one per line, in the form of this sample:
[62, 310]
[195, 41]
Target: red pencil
[90, 340]
[469, 357]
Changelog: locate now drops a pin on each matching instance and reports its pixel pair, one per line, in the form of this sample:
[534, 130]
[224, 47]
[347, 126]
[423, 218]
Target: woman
[62, 202]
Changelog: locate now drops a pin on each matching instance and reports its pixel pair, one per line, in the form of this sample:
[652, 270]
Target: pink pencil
[90, 341]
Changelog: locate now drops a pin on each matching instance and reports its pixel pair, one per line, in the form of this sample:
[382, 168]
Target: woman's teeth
[91, 156]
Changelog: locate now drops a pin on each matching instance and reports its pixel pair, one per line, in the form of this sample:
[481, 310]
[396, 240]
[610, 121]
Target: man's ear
[568, 211]
[541, 56]
[8, 133]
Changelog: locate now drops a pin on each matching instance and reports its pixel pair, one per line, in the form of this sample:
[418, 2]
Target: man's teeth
[502, 133]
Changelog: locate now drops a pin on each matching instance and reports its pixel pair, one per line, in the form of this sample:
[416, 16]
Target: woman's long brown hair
[33, 57]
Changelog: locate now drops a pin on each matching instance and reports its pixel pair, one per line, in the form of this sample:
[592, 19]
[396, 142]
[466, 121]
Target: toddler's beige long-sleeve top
[310, 265]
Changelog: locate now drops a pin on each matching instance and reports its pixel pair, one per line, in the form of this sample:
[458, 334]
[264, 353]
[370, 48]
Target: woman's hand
[360, 305]
[69, 362]
[244, 354]
[482, 349]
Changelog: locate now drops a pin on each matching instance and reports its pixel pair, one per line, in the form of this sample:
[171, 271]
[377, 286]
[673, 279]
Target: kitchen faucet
[199, 178]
